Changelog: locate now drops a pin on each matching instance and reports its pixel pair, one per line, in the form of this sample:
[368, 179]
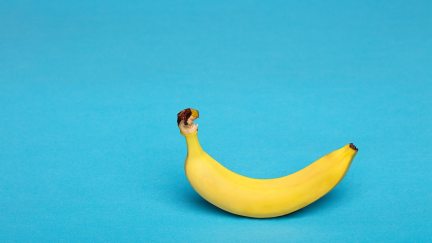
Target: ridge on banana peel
[259, 198]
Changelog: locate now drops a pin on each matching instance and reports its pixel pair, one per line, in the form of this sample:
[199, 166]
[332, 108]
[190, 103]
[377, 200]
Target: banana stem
[185, 122]
[193, 145]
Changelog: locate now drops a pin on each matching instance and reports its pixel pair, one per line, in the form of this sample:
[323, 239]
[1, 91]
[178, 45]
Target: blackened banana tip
[353, 146]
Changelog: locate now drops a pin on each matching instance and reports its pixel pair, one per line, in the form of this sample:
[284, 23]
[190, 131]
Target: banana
[259, 198]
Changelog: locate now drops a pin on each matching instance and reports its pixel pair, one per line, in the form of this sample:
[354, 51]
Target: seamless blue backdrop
[89, 91]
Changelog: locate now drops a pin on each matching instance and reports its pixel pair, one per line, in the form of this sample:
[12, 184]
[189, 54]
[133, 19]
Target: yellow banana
[259, 198]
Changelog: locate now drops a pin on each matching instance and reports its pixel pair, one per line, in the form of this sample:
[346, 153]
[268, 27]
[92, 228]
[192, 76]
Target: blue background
[89, 92]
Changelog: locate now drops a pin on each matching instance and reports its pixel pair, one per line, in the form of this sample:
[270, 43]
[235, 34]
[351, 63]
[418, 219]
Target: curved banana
[259, 198]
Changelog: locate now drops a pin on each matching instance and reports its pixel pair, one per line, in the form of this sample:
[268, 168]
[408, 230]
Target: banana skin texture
[260, 198]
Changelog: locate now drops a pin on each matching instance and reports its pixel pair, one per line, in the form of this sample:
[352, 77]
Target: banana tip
[351, 145]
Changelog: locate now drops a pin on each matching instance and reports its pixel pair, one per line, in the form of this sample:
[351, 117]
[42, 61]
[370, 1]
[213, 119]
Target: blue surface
[90, 151]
